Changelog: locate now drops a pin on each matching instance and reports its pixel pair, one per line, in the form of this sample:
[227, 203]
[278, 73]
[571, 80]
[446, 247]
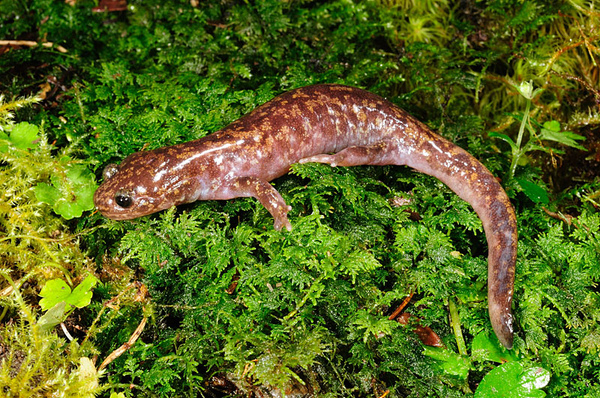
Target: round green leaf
[53, 292]
[23, 135]
[512, 380]
[486, 348]
[70, 196]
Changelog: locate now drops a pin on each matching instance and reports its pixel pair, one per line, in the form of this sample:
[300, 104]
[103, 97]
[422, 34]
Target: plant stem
[455, 323]
[518, 152]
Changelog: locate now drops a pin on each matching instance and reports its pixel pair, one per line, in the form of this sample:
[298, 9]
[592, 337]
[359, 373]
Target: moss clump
[225, 301]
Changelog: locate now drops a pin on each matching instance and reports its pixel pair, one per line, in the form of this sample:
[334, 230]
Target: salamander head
[125, 192]
[144, 183]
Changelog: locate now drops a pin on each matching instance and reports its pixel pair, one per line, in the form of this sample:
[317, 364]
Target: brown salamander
[334, 124]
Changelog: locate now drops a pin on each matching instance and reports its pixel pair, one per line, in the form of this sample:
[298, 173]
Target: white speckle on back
[159, 175]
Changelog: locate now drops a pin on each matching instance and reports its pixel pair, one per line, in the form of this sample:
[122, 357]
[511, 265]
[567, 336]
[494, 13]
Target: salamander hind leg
[266, 194]
[379, 154]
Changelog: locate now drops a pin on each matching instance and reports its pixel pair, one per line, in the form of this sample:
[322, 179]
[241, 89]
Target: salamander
[326, 123]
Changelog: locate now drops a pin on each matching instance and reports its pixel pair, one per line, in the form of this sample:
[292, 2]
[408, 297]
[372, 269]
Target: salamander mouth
[117, 215]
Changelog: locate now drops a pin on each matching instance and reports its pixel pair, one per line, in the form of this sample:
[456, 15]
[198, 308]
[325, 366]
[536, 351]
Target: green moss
[229, 302]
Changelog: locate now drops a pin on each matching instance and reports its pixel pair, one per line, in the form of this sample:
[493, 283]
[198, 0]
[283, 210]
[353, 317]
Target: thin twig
[384, 394]
[560, 216]
[65, 331]
[31, 43]
[401, 307]
[121, 350]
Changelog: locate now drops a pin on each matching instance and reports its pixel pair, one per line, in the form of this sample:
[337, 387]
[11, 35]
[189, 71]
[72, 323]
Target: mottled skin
[334, 124]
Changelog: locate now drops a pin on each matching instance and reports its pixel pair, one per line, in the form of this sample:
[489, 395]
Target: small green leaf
[82, 294]
[57, 290]
[552, 125]
[53, 317]
[512, 380]
[66, 209]
[551, 132]
[485, 348]
[69, 196]
[504, 138]
[46, 193]
[450, 362]
[54, 292]
[534, 192]
[23, 135]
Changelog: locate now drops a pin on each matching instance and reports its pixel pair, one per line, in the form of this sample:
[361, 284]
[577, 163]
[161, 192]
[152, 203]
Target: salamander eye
[123, 199]
[109, 171]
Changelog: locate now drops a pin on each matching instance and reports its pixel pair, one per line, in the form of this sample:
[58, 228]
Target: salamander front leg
[377, 154]
[266, 194]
